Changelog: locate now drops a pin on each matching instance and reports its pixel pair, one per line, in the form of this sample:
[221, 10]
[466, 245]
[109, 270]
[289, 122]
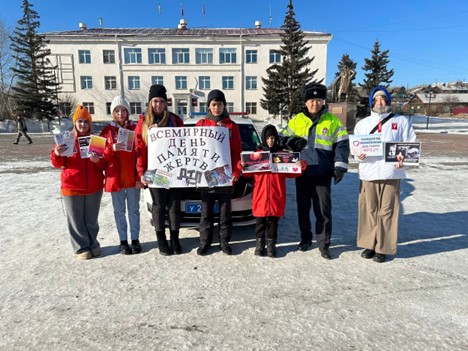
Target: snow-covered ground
[417, 300]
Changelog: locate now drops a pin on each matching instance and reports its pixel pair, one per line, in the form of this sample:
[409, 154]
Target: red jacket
[115, 160]
[141, 148]
[269, 192]
[79, 175]
[235, 143]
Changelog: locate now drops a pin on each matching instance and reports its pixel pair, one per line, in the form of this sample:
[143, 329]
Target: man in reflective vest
[324, 146]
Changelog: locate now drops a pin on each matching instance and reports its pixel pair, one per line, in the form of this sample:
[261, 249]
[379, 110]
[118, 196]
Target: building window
[251, 56]
[157, 80]
[251, 82]
[108, 56]
[203, 107]
[251, 108]
[89, 106]
[205, 82]
[86, 82]
[132, 55]
[229, 106]
[84, 56]
[108, 106]
[228, 83]
[227, 55]
[110, 83]
[135, 108]
[134, 82]
[157, 56]
[180, 56]
[275, 56]
[181, 82]
[203, 56]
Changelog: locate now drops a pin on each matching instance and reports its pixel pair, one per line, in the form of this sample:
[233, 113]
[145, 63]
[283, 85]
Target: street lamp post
[429, 94]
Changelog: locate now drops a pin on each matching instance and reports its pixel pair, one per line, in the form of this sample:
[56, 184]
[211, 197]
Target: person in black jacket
[22, 129]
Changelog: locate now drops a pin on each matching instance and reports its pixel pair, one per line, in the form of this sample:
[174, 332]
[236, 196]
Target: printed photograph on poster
[126, 137]
[66, 139]
[285, 162]
[148, 176]
[162, 179]
[83, 143]
[97, 145]
[258, 161]
[410, 152]
[218, 176]
[368, 144]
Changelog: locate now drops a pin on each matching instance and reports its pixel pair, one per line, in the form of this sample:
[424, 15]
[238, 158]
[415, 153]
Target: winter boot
[175, 243]
[164, 248]
[260, 247]
[271, 248]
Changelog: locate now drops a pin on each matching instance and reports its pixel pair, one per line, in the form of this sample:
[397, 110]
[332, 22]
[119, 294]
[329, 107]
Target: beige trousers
[379, 208]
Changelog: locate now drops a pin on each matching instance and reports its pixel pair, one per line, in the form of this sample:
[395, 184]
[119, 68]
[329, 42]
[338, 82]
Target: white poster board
[189, 157]
[369, 144]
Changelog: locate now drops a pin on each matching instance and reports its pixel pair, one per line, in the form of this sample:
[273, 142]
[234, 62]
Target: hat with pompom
[119, 101]
[81, 113]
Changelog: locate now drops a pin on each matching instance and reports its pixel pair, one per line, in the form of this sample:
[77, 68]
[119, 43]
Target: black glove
[296, 144]
[339, 173]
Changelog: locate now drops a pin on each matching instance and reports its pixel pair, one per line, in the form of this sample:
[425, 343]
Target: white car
[191, 204]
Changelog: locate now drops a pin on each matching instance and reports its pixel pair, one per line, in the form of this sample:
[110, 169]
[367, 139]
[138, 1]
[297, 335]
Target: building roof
[167, 32]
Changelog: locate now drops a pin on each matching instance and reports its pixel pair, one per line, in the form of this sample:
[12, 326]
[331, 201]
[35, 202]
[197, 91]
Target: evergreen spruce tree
[283, 85]
[35, 86]
[377, 74]
[376, 68]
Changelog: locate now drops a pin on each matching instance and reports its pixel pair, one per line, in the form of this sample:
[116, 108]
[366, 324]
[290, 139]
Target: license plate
[195, 207]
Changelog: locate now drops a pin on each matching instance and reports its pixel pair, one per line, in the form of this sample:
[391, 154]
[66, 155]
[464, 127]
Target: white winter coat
[397, 129]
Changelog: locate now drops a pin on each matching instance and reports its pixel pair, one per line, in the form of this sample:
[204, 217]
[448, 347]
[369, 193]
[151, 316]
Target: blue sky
[427, 39]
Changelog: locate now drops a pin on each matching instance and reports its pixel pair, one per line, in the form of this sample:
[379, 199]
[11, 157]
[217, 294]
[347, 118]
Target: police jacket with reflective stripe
[327, 142]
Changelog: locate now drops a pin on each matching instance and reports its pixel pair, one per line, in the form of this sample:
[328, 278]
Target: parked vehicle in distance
[242, 197]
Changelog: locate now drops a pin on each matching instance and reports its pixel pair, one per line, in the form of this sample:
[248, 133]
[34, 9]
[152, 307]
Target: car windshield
[249, 137]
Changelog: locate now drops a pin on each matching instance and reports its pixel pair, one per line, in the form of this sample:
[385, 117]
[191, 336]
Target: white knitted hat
[119, 101]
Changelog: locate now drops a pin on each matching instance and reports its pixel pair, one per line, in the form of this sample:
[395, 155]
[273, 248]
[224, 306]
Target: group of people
[324, 148]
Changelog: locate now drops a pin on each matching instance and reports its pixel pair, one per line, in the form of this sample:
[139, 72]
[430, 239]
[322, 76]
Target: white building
[96, 64]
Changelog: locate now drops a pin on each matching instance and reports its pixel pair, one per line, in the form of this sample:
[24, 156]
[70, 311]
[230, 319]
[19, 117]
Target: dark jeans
[315, 191]
[207, 217]
[268, 225]
[166, 199]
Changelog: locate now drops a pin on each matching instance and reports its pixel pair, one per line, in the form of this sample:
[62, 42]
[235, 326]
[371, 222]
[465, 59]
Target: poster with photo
[97, 145]
[83, 143]
[191, 156]
[369, 144]
[285, 162]
[409, 152]
[257, 161]
[66, 139]
[126, 137]
[218, 176]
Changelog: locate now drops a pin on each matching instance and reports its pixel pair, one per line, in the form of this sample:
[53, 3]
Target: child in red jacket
[269, 196]
[81, 188]
[121, 178]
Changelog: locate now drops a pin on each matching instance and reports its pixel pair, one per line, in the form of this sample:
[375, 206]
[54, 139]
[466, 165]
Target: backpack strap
[381, 123]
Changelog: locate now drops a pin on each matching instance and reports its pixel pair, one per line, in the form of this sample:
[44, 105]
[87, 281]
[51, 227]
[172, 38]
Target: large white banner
[189, 157]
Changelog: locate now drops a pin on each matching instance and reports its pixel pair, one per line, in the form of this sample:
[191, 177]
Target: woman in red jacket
[121, 178]
[218, 116]
[269, 196]
[157, 115]
[82, 183]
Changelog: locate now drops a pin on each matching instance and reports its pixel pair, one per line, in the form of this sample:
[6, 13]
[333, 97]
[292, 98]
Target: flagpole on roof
[271, 18]
[203, 13]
